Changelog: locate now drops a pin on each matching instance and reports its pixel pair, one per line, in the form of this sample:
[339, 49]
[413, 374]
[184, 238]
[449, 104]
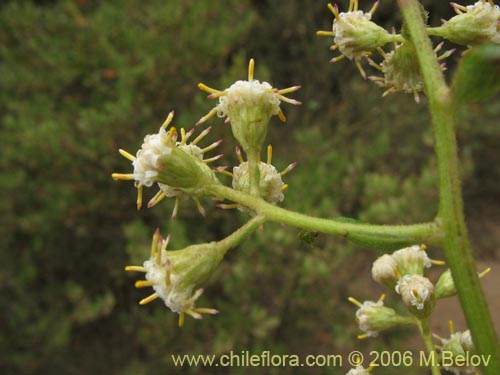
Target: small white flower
[384, 269]
[365, 315]
[415, 290]
[412, 260]
[359, 370]
[271, 184]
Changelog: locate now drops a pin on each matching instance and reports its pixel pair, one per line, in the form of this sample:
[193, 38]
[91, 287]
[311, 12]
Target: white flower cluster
[365, 315]
[146, 161]
[359, 370]
[248, 94]
[414, 255]
[345, 30]
[486, 16]
[415, 290]
[271, 183]
[167, 286]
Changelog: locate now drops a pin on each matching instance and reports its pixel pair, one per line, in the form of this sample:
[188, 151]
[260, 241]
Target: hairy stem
[240, 234]
[428, 233]
[456, 243]
[425, 332]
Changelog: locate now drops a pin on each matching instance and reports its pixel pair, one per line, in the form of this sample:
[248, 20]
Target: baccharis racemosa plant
[179, 168]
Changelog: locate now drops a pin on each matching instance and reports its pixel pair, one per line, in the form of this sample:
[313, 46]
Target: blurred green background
[80, 79]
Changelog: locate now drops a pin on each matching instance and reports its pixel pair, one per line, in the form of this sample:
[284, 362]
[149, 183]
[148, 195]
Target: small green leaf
[478, 74]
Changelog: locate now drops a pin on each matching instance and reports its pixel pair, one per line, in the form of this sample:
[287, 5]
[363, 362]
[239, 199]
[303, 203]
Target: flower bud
[412, 260]
[385, 271]
[417, 293]
[177, 276]
[459, 346]
[474, 24]
[445, 286]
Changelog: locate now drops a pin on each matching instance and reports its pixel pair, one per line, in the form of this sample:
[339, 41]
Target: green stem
[401, 234]
[240, 234]
[253, 157]
[456, 243]
[425, 331]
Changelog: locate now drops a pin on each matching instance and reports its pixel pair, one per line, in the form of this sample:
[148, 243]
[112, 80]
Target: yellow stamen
[325, 33]
[139, 196]
[205, 88]
[288, 100]
[154, 242]
[122, 176]
[201, 136]
[374, 7]
[209, 160]
[382, 52]
[287, 169]
[135, 269]
[176, 208]
[363, 336]
[374, 64]
[450, 325]
[227, 206]
[223, 171]
[206, 310]
[181, 319]
[251, 68]
[269, 154]
[200, 207]
[143, 283]
[209, 115]
[126, 154]
[382, 297]
[333, 47]
[168, 120]
[360, 68]
[193, 313]
[398, 274]
[438, 262]
[289, 90]
[281, 116]
[148, 299]
[334, 10]
[238, 154]
[156, 199]
[283, 188]
[485, 272]
[355, 301]
[338, 58]
[211, 147]
[183, 137]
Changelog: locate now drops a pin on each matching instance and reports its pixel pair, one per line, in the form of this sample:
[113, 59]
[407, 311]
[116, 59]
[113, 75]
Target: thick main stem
[456, 242]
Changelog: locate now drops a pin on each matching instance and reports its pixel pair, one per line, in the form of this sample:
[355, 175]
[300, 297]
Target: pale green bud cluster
[473, 25]
[270, 182]
[177, 277]
[458, 347]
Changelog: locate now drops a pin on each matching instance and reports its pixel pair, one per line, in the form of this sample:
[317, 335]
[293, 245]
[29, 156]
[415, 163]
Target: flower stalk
[450, 214]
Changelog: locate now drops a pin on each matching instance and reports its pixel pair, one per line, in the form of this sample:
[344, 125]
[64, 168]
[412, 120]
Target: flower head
[271, 185]
[473, 24]
[417, 293]
[178, 167]
[385, 271]
[355, 35]
[359, 370]
[373, 317]
[177, 276]
[401, 71]
[248, 106]
[458, 345]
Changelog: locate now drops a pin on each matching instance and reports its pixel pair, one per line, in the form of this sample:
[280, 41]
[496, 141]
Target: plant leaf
[478, 74]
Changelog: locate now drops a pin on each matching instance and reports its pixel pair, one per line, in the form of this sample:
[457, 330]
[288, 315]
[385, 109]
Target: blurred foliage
[81, 79]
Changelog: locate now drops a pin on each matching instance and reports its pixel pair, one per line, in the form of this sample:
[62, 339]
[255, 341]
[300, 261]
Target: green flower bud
[417, 293]
[178, 276]
[373, 317]
[412, 260]
[445, 287]
[459, 345]
[474, 24]
[248, 106]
